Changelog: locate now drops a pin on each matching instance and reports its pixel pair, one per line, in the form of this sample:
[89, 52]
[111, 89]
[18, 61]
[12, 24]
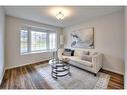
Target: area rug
[79, 79]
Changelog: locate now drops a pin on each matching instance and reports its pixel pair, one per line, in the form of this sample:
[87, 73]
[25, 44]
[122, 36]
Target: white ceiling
[76, 14]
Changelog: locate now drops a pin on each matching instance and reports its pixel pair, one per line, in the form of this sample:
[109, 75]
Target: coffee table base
[55, 76]
[60, 68]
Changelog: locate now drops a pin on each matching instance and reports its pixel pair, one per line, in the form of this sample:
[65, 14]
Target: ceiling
[73, 14]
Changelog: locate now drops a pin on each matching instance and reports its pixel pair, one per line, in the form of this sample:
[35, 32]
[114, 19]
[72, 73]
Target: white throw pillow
[85, 53]
[92, 53]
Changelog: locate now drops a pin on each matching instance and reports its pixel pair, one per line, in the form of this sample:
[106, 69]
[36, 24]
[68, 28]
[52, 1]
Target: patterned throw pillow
[66, 53]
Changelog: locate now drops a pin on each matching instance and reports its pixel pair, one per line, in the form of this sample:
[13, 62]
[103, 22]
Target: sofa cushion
[86, 58]
[70, 57]
[79, 61]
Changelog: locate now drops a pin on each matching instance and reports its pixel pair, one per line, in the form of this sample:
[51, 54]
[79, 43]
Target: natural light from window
[37, 41]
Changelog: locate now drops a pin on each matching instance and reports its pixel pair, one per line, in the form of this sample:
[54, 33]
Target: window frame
[29, 29]
[20, 42]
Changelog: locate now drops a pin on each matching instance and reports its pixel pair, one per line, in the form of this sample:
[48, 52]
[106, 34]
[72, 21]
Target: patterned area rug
[79, 79]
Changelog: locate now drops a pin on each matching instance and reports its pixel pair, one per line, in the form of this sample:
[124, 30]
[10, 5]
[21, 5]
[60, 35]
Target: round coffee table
[60, 68]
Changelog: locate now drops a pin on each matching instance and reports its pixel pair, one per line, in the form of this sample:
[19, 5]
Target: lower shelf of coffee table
[56, 75]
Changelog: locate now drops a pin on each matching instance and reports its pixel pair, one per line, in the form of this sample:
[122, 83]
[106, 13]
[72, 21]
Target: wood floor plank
[39, 79]
[116, 80]
[28, 77]
[26, 84]
[29, 84]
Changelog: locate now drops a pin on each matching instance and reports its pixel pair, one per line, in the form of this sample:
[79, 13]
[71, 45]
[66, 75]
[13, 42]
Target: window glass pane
[52, 41]
[23, 39]
[38, 41]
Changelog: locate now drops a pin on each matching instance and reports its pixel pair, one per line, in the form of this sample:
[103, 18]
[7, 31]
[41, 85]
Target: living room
[90, 39]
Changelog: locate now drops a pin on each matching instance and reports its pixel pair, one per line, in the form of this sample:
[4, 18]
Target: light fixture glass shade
[60, 16]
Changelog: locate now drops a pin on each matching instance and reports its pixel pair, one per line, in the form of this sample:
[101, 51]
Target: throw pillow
[67, 49]
[93, 53]
[85, 53]
[72, 52]
[66, 53]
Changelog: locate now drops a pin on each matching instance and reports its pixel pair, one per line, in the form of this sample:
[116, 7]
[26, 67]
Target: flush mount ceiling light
[60, 16]
[60, 12]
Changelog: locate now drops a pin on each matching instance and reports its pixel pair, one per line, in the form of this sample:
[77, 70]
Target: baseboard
[11, 67]
[2, 77]
[113, 71]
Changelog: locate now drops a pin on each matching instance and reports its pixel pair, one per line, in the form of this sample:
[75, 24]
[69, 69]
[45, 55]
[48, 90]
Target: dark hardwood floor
[116, 80]
[27, 77]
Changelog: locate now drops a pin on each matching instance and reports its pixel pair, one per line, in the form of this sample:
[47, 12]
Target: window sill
[37, 52]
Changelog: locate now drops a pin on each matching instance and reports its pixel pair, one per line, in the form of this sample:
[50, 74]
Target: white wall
[125, 77]
[2, 27]
[108, 37]
[13, 57]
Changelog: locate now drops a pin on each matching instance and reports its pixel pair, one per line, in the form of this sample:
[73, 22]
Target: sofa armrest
[97, 62]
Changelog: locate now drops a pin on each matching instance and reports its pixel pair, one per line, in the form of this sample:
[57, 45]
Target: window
[38, 41]
[24, 41]
[33, 40]
[52, 41]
